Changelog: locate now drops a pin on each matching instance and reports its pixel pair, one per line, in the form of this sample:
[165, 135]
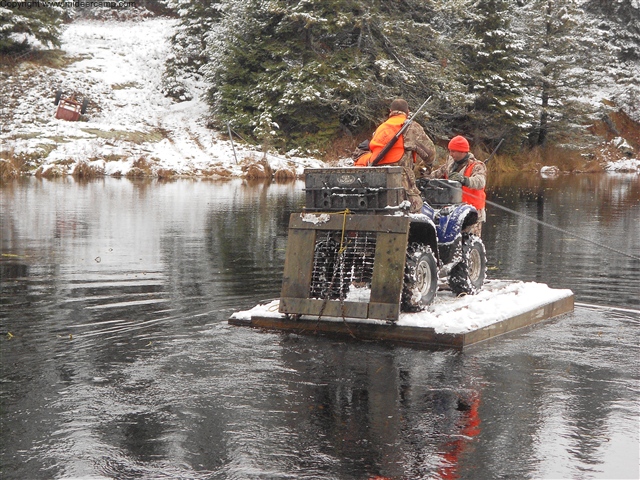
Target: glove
[458, 177]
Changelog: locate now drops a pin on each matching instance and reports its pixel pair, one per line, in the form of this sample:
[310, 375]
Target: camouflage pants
[411, 191]
[476, 229]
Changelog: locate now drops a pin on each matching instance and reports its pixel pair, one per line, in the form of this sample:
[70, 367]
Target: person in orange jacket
[412, 144]
[463, 167]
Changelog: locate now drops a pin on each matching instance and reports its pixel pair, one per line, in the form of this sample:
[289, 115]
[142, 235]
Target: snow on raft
[501, 306]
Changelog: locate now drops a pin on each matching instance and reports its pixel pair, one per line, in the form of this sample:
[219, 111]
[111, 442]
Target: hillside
[130, 127]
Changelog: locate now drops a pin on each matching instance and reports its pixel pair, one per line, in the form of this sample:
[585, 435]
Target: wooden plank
[384, 311]
[336, 221]
[539, 314]
[388, 268]
[329, 308]
[298, 263]
[413, 336]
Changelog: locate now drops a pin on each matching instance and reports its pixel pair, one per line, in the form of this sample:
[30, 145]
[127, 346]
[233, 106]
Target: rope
[607, 307]
[344, 226]
[545, 224]
[340, 258]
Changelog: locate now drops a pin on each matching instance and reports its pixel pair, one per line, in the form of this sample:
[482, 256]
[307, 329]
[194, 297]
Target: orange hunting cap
[459, 144]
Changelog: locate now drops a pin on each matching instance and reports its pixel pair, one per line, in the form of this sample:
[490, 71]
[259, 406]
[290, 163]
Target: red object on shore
[69, 108]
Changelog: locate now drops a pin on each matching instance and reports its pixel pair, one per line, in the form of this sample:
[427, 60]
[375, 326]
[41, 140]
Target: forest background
[314, 77]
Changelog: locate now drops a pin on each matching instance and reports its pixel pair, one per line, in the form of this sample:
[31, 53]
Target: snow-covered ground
[497, 301]
[118, 66]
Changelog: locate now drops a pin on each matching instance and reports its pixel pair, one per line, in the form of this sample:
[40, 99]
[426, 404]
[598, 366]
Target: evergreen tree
[197, 19]
[20, 26]
[560, 59]
[494, 75]
[618, 24]
[302, 70]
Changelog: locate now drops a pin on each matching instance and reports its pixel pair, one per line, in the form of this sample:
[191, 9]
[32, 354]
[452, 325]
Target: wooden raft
[407, 335]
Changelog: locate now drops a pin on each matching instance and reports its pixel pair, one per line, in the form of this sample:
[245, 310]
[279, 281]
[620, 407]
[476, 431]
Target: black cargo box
[359, 189]
[439, 192]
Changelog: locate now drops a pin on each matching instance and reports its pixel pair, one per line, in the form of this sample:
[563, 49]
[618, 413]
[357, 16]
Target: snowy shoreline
[129, 123]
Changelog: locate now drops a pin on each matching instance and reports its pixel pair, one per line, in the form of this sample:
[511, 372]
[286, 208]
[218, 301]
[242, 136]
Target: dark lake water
[118, 361]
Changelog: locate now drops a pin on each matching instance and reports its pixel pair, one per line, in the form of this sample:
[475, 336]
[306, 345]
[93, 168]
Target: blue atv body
[449, 220]
[459, 257]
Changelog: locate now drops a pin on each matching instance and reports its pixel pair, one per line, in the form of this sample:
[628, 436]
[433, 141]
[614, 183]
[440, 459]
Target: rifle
[494, 151]
[395, 138]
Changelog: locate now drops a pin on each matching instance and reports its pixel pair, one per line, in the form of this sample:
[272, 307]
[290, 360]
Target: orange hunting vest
[383, 134]
[477, 198]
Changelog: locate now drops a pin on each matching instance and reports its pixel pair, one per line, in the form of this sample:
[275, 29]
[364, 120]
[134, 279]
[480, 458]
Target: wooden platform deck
[418, 329]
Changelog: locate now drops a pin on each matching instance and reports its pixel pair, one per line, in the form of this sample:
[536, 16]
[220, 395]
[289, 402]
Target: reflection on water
[118, 362]
[594, 247]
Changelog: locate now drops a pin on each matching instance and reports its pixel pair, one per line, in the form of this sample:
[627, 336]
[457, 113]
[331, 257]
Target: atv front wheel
[420, 278]
[468, 276]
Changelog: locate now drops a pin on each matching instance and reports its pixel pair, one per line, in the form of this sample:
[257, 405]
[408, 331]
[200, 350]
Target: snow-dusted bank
[129, 122]
[500, 307]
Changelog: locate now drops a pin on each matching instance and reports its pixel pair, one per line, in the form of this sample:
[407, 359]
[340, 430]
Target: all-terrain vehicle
[356, 252]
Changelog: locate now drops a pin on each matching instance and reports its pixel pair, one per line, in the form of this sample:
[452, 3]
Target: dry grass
[137, 138]
[85, 171]
[124, 86]
[342, 147]
[8, 170]
[24, 161]
[217, 172]
[502, 164]
[140, 168]
[166, 174]
[54, 172]
[113, 157]
[46, 58]
[565, 159]
[256, 169]
[284, 175]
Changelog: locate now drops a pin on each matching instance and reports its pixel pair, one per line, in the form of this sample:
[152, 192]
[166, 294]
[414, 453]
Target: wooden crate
[391, 236]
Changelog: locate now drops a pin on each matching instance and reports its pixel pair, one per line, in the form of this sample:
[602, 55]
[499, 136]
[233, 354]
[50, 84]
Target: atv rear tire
[420, 278]
[468, 276]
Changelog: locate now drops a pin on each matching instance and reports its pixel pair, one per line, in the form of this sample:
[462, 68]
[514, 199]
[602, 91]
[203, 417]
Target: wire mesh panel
[342, 263]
